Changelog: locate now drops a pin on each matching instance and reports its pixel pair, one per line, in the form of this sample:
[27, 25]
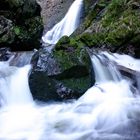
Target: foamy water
[107, 111]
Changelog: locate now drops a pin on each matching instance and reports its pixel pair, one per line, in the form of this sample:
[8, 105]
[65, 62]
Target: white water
[124, 60]
[67, 25]
[109, 110]
[14, 85]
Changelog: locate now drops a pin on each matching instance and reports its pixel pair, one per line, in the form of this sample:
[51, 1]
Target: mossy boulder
[67, 67]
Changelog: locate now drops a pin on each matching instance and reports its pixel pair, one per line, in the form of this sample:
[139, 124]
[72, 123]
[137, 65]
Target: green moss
[70, 53]
[113, 12]
[75, 63]
[62, 43]
[78, 84]
[67, 59]
[91, 40]
[123, 29]
[136, 40]
[118, 25]
[17, 30]
[93, 12]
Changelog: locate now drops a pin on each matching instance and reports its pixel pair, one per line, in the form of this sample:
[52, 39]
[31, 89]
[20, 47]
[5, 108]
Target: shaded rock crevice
[20, 24]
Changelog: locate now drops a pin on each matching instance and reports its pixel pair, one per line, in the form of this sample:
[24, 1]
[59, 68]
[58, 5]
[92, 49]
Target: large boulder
[20, 24]
[65, 73]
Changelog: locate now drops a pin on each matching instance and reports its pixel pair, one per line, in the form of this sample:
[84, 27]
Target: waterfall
[67, 25]
[107, 111]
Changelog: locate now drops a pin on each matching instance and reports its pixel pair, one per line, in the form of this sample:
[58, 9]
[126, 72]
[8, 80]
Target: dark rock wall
[20, 24]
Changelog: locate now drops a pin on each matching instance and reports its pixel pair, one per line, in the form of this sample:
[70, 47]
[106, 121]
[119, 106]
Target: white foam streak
[124, 60]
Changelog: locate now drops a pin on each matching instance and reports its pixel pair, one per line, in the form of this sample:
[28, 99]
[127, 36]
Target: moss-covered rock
[111, 25]
[70, 54]
[68, 66]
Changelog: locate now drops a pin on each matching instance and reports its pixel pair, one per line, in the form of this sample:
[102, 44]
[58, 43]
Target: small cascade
[107, 111]
[124, 60]
[104, 70]
[14, 87]
[67, 25]
[19, 116]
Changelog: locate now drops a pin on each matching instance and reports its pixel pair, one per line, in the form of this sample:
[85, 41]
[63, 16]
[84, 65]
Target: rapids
[107, 111]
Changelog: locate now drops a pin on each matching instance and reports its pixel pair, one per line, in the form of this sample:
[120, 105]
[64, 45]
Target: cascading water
[107, 111]
[67, 25]
[18, 112]
[14, 85]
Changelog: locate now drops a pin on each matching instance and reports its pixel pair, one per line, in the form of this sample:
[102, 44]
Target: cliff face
[53, 11]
